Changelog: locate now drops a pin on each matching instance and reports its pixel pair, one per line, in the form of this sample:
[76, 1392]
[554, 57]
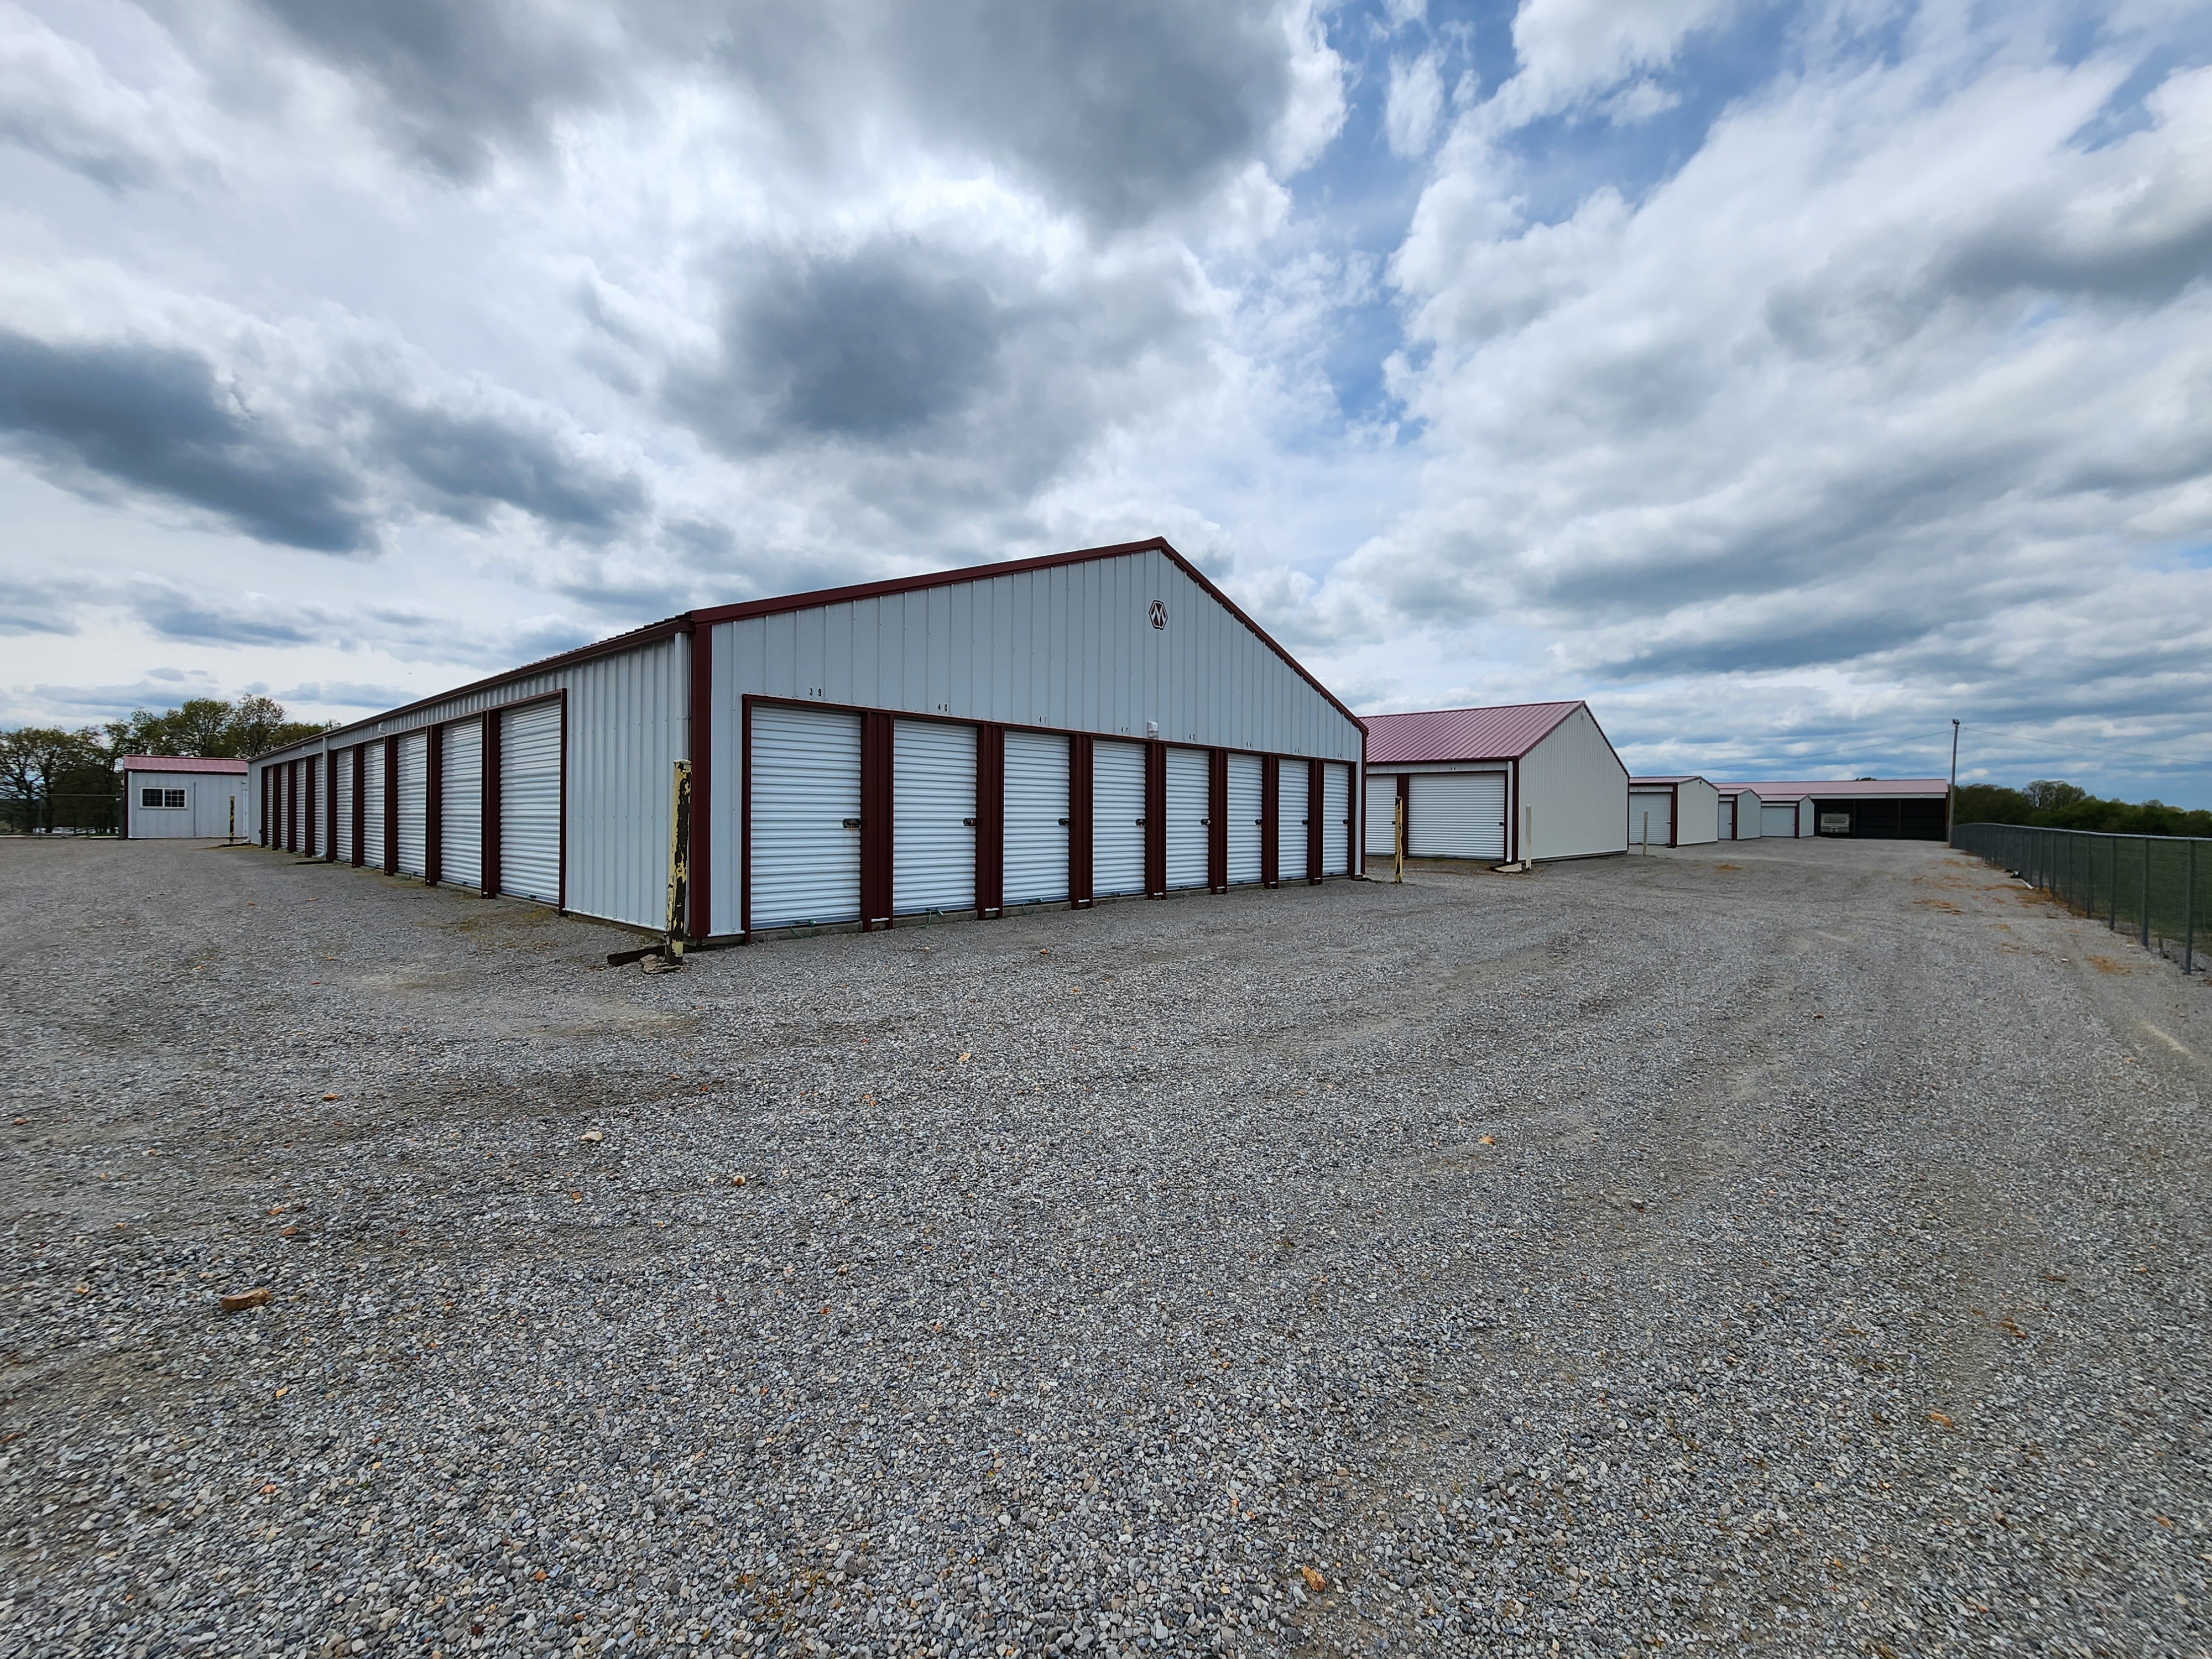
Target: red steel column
[990, 821]
[434, 806]
[1217, 820]
[1271, 821]
[1081, 841]
[875, 821]
[1156, 819]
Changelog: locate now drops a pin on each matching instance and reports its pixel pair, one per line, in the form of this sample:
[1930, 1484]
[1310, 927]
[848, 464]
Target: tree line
[2051, 804]
[46, 764]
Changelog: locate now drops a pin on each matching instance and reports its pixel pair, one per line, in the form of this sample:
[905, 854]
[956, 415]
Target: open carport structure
[1521, 782]
[1045, 731]
[1864, 809]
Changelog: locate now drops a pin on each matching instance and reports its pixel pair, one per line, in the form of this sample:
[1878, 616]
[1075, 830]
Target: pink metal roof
[1838, 788]
[1460, 734]
[1656, 783]
[180, 764]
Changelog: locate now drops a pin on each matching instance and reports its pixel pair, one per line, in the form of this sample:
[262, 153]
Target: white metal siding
[1117, 817]
[1247, 774]
[1780, 820]
[933, 816]
[1655, 805]
[1037, 819]
[806, 815]
[344, 843]
[1572, 793]
[1290, 815]
[1382, 814]
[1336, 819]
[460, 807]
[372, 805]
[1457, 815]
[1189, 793]
[414, 801]
[530, 803]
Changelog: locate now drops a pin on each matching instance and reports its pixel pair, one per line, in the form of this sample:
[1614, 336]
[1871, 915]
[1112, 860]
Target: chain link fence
[61, 815]
[2152, 888]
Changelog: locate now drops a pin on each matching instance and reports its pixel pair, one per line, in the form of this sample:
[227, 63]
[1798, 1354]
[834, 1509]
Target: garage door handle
[852, 823]
[1206, 824]
[1140, 824]
[1063, 823]
[1260, 821]
[970, 822]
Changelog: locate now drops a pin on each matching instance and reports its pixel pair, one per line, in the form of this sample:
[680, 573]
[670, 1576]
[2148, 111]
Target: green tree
[211, 726]
[51, 777]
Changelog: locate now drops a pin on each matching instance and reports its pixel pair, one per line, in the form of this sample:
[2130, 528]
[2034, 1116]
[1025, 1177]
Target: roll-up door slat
[933, 816]
[343, 844]
[414, 803]
[372, 806]
[804, 792]
[1036, 819]
[1458, 815]
[1190, 792]
[1778, 820]
[1117, 817]
[1246, 775]
[530, 802]
[461, 805]
[1336, 819]
[1290, 780]
[1382, 814]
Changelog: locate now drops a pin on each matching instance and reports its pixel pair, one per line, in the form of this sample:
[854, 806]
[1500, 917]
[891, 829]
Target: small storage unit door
[1190, 792]
[460, 807]
[372, 805]
[1778, 820]
[1291, 780]
[530, 802]
[343, 844]
[311, 806]
[1336, 818]
[414, 803]
[804, 800]
[1650, 817]
[296, 788]
[1382, 814]
[933, 817]
[1117, 817]
[1246, 808]
[1724, 821]
[1036, 819]
[1457, 815]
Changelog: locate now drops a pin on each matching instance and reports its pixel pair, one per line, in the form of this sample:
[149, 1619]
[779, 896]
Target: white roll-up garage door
[460, 807]
[804, 801]
[1190, 792]
[414, 802]
[933, 817]
[1382, 814]
[1778, 820]
[311, 799]
[372, 805]
[295, 783]
[1336, 818]
[1117, 817]
[1246, 807]
[1457, 815]
[1724, 819]
[343, 844]
[1650, 816]
[530, 802]
[1290, 780]
[1036, 819]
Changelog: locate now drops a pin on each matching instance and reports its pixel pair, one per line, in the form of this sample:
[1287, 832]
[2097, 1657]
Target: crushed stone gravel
[1780, 1247]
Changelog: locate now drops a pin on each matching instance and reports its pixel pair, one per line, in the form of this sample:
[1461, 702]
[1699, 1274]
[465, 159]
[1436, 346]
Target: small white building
[1737, 809]
[183, 798]
[1532, 781]
[1784, 809]
[1673, 811]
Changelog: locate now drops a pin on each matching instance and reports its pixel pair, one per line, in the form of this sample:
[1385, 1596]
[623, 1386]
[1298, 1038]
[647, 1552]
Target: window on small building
[161, 798]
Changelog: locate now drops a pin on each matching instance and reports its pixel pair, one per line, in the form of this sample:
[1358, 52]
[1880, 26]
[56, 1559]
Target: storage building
[184, 797]
[1871, 809]
[1528, 781]
[1046, 731]
[1674, 811]
[1737, 813]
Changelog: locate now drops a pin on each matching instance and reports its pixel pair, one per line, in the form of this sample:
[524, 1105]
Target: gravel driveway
[1784, 1247]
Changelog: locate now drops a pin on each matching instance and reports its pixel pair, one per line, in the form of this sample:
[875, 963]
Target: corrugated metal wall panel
[1190, 793]
[414, 802]
[530, 803]
[807, 813]
[1336, 819]
[1246, 807]
[1291, 791]
[1117, 817]
[1036, 819]
[461, 805]
[933, 816]
[1458, 815]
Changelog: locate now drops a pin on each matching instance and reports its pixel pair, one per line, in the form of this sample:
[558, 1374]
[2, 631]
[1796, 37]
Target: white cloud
[1570, 49]
[1415, 101]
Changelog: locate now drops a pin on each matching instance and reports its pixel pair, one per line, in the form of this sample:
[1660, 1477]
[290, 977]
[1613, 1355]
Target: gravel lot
[1789, 1247]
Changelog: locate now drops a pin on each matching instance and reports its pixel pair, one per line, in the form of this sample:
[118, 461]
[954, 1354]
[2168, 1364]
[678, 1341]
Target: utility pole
[1951, 801]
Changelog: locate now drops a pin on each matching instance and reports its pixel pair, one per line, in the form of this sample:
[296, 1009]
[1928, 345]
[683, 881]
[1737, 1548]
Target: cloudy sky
[1785, 379]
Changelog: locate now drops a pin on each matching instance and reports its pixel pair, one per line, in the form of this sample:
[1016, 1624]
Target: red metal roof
[180, 764]
[1838, 788]
[1661, 783]
[1462, 734]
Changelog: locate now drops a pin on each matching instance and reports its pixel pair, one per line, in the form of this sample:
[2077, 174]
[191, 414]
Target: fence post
[2189, 944]
[2146, 894]
[2114, 921]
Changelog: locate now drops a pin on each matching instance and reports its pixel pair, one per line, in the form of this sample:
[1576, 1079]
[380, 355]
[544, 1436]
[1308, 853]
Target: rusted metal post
[679, 856]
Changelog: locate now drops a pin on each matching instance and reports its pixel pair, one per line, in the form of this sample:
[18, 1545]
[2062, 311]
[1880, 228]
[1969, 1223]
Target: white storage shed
[1673, 811]
[1738, 812]
[1530, 780]
[1050, 731]
[1784, 809]
[184, 797]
